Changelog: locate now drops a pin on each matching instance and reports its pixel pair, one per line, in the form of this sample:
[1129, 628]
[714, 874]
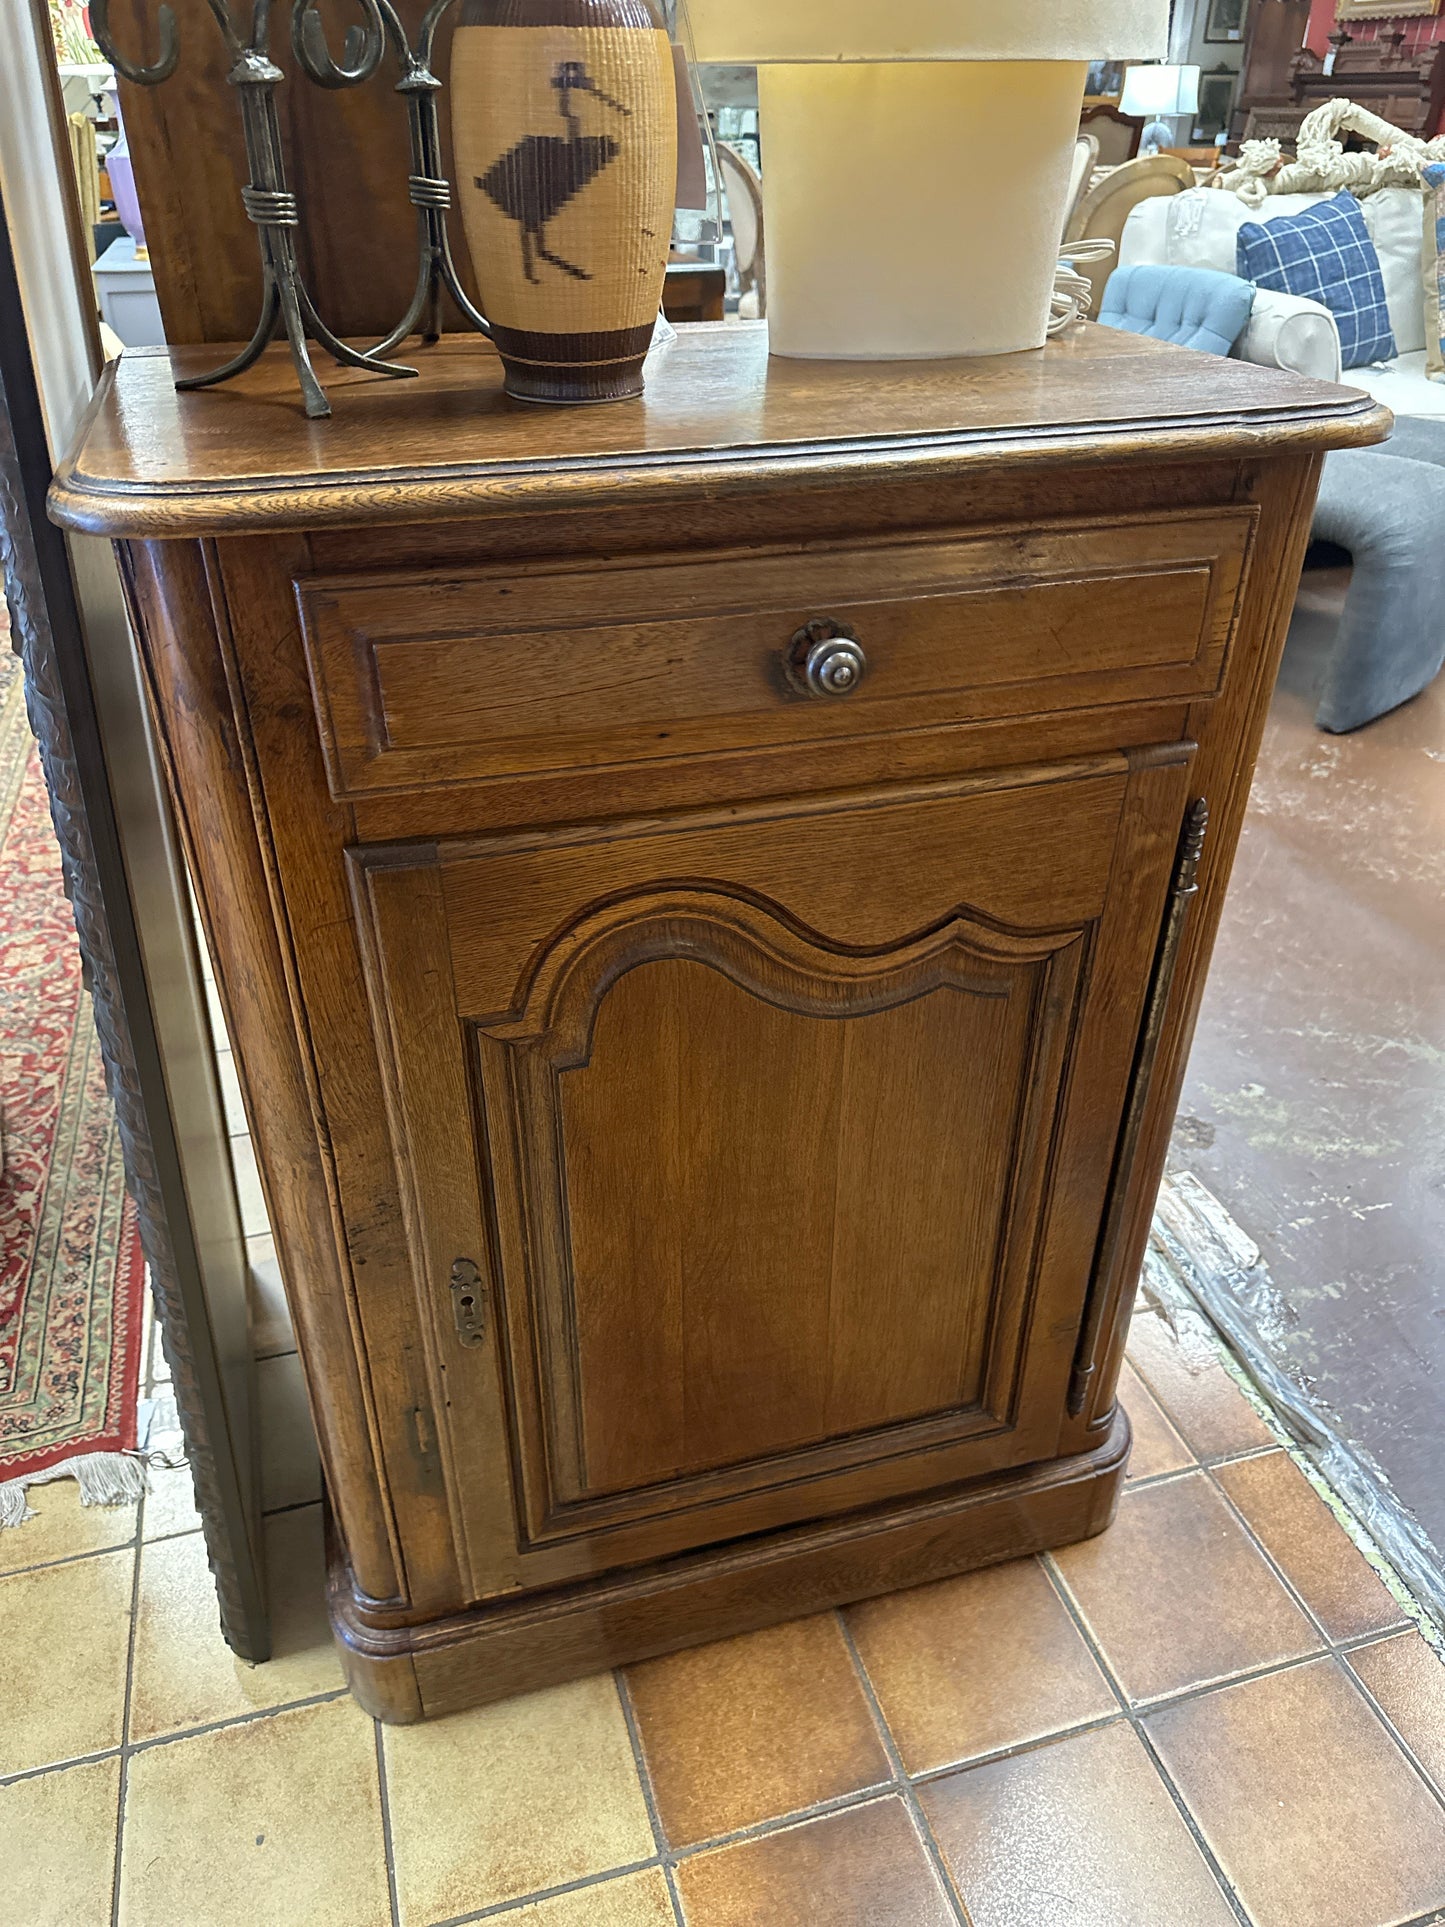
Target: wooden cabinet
[705, 896]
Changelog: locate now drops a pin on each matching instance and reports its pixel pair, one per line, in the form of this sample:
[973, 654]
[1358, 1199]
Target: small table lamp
[916, 160]
[1156, 94]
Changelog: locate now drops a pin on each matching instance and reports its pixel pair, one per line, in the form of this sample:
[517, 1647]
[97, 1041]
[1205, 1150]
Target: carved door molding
[639, 1076]
[528, 1060]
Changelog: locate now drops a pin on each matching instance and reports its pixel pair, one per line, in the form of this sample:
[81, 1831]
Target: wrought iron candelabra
[429, 189]
[267, 197]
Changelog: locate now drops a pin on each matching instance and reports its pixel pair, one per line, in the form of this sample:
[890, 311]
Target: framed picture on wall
[1216, 101]
[1384, 9]
[1225, 21]
[1106, 80]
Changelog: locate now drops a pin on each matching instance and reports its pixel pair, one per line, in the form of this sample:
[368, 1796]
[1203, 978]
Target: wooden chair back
[1118, 134]
[744, 191]
[1106, 206]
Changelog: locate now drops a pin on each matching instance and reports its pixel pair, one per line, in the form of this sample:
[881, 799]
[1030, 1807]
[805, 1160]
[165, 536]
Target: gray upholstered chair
[1386, 506]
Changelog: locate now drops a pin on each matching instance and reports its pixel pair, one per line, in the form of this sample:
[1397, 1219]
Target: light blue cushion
[1194, 306]
[1325, 253]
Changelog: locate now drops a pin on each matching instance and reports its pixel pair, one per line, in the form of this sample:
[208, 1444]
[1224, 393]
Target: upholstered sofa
[1200, 228]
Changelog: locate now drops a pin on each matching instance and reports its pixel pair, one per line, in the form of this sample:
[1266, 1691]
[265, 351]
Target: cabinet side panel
[1229, 732]
[206, 772]
[306, 835]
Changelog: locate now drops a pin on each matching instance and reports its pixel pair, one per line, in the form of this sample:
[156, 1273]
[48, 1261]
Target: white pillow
[1286, 331]
[1200, 229]
[1397, 229]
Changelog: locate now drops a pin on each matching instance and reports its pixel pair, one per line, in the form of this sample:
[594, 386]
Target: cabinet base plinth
[531, 1640]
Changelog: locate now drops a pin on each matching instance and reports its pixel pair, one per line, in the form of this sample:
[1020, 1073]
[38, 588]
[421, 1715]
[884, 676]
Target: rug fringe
[104, 1478]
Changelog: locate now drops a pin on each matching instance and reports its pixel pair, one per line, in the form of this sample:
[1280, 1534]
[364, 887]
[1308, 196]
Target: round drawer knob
[827, 659]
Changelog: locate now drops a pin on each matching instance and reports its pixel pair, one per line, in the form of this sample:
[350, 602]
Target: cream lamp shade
[916, 160]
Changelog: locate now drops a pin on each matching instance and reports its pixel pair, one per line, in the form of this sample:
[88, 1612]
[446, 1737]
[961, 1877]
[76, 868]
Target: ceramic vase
[564, 126]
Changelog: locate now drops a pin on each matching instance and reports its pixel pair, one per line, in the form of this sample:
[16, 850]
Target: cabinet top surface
[719, 415]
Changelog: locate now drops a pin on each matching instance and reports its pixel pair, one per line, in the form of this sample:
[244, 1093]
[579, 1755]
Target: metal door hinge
[469, 1302]
[1183, 888]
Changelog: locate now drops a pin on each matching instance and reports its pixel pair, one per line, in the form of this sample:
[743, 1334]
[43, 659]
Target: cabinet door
[754, 1161]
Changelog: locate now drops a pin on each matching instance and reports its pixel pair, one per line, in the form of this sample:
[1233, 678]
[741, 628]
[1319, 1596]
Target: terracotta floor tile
[974, 1665]
[63, 1527]
[1079, 1831]
[64, 1634]
[1196, 1392]
[866, 1867]
[636, 1900]
[59, 1851]
[290, 1464]
[1176, 1595]
[754, 1728]
[277, 1820]
[513, 1799]
[1158, 1448]
[1408, 1680]
[1310, 1546]
[185, 1675]
[1310, 1808]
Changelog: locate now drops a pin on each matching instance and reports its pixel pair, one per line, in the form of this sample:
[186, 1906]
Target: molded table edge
[95, 504]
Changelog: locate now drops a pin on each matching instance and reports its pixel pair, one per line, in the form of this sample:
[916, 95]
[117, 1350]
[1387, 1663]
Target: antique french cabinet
[704, 892]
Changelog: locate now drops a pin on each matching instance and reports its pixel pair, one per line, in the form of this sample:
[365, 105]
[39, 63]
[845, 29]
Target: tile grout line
[785, 1822]
[1212, 1463]
[499, 1909]
[387, 1854]
[1334, 1645]
[666, 1858]
[1401, 1742]
[128, 1749]
[69, 1558]
[957, 1906]
[253, 1718]
[1339, 1650]
[1226, 1887]
[123, 1776]
[929, 1775]
[59, 1766]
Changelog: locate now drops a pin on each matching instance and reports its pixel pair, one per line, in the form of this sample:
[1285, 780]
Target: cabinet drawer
[423, 681]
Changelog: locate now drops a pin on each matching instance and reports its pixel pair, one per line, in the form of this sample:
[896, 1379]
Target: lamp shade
[751, 32]
[1151, 92]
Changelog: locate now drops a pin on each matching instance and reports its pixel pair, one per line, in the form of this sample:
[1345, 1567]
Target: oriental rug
[71, 1271]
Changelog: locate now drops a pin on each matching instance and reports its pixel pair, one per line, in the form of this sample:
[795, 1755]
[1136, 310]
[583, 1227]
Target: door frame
[123, 870]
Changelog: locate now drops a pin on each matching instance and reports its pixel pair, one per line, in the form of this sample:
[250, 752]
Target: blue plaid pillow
[1325, 254]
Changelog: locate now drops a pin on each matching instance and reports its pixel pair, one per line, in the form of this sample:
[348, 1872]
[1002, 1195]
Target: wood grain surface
[719, 414]
[691, 1121]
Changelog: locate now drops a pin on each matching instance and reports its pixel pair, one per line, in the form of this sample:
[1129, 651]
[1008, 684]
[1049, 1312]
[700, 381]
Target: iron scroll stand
[267, 198]
[428, 187]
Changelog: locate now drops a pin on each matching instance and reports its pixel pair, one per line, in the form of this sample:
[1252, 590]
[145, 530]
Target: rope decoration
[1073, 294]
[1322, 165]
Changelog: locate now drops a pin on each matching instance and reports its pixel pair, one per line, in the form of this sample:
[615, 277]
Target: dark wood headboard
[1406, 89]
[348, 155]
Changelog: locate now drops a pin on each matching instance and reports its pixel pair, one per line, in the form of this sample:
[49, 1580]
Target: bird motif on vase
[536, 179]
